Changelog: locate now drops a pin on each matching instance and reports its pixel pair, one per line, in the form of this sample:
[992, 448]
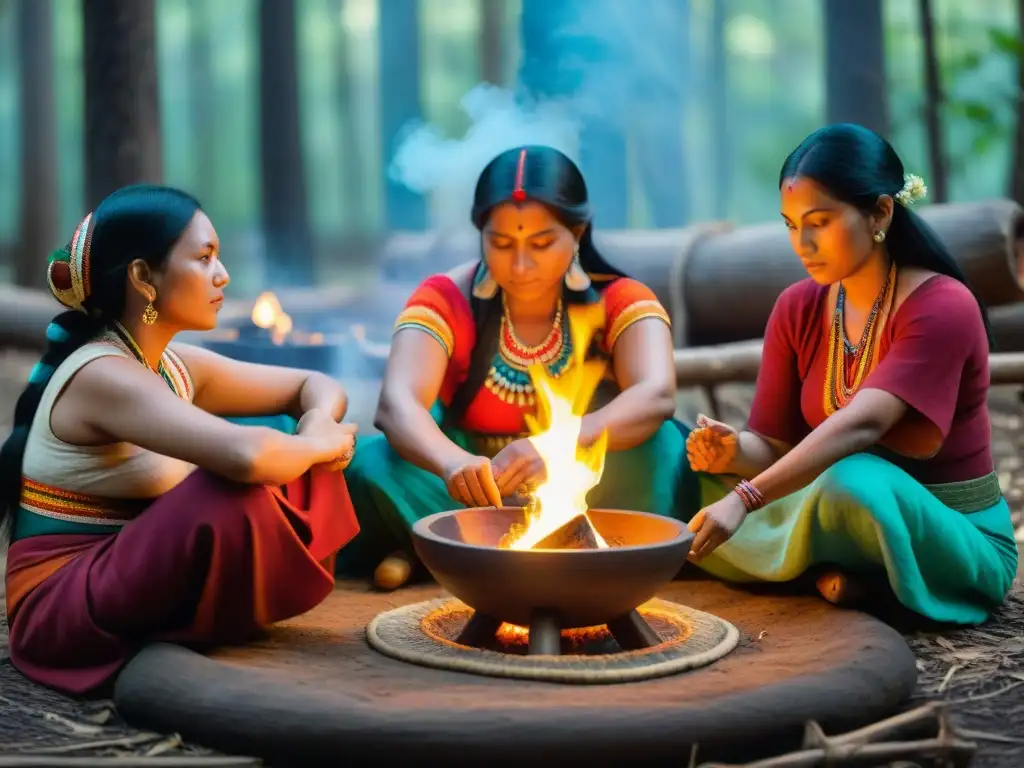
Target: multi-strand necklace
[838, 389]
[509, 377]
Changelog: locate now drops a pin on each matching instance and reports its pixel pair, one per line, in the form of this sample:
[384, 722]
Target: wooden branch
[740, 362]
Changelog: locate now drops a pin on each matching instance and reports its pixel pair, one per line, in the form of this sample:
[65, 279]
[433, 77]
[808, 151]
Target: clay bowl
[584, 587]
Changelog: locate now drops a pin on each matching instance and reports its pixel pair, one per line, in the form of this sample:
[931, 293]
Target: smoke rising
[607, 63]
[430, 163]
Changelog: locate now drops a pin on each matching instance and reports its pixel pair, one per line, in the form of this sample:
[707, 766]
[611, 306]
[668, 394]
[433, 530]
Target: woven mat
[424, 633]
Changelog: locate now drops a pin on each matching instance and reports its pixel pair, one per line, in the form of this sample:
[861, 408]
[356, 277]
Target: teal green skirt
[864, 515]
[868, 517]
[390, 494]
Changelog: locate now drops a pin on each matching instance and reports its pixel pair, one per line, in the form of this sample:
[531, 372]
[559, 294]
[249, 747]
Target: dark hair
[136, 222]
[857, 166]
[546, 176]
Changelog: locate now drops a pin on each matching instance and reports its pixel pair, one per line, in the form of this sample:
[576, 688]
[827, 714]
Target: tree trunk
[492, 48]
[356, 216]
[399, 104]
[933, 101]
[718, 97]
[122, 106]
[855, 85]
[288, 242]
[1017, 173]
[201, 99]
[39, 192]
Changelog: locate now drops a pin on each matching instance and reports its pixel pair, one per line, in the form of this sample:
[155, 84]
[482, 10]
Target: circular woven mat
[425, 634]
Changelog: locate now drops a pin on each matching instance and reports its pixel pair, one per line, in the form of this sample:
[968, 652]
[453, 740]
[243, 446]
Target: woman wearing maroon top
[868, 445]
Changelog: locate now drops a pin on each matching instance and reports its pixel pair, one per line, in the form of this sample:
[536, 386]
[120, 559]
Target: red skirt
[210, 562]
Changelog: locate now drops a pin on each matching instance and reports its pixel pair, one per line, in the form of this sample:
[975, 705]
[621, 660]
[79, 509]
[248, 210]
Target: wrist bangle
[751, 497]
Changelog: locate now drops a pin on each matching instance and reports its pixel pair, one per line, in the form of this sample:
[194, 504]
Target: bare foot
[840, 589]
[393, 571]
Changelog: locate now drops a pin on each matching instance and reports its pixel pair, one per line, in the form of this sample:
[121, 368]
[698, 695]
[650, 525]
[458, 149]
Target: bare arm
[754, 455]
[227, 387]
[861, 424]
[412, 381]
[124, 402]
[644, 369]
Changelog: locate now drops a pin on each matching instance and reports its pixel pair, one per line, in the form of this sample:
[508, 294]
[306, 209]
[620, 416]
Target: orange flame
[572, 470]
[267, 314]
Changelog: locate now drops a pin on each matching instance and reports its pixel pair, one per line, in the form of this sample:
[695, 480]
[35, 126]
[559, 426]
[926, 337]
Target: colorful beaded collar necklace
[509, 378]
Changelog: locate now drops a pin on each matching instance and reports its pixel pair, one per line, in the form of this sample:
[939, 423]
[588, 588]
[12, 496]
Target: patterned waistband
[73, 507]
[969, 496]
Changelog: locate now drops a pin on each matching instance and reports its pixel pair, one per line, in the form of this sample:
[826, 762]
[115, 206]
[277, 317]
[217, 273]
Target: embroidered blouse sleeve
[626, 302]
[437, 308]
[938, 331]
[775, 412]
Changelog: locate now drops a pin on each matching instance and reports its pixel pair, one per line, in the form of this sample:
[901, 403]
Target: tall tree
[491, 42]
[39, 193]
[201, 98]
[399, 104]
[855, 85]
[934, 99]
[1017, 174]
[289, 246]
[122, 106]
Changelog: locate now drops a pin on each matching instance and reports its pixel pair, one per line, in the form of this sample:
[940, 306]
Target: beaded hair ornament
[68, 270]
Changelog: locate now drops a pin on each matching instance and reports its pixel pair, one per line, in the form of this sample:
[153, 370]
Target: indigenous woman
[456, 388]
[868, 448]
[136, 513]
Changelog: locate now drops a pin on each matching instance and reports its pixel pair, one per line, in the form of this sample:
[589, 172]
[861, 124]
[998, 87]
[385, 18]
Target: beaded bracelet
[751, 497]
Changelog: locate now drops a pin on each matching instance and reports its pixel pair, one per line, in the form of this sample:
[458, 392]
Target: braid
[66, 333]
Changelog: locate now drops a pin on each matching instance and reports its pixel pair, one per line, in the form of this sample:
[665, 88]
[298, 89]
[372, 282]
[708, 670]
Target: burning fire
[572, 470]
[267, 314]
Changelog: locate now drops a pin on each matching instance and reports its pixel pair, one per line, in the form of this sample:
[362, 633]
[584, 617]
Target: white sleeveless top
[117, 470]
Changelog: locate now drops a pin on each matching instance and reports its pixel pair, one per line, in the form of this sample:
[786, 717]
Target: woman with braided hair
[867, 455]
[137, 509]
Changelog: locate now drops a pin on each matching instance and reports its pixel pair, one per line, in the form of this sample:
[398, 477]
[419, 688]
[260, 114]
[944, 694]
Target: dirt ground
[978, 673]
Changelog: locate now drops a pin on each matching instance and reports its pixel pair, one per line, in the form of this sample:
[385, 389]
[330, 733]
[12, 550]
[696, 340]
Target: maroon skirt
[209, 563]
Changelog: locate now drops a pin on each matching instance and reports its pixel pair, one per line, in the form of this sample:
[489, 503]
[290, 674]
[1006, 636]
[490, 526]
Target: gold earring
[879, 236]
[149, 314]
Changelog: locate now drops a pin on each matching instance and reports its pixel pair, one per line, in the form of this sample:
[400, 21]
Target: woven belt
[969, 496]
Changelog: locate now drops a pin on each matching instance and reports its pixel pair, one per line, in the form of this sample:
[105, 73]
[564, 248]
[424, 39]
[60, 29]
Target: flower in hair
[914, 189]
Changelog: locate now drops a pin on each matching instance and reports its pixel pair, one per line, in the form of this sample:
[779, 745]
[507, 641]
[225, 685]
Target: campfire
[269, 336]
[557, 511]
[276, 324]
[556, 566]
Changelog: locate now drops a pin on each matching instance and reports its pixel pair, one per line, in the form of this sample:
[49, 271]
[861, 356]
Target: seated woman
[136, 513]
[868, 446]
[456, 389]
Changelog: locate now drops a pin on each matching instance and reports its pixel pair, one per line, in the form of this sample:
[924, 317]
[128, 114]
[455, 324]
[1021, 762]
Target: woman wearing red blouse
[868, 445]
[457, 392]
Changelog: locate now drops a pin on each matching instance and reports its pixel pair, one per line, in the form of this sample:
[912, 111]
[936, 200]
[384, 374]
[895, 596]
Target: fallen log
[719, 282]
[740, 362]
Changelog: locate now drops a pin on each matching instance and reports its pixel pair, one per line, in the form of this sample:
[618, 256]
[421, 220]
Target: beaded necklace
[122, 335]
[509, 378]
[837, 391]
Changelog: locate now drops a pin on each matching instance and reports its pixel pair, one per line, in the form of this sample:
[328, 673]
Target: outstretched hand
[716, 524]
[712, 446]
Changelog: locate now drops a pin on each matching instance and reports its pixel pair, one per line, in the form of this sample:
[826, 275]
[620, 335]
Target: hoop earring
[576, 278]
[879, 236]
[149, 314]
[484, 285]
